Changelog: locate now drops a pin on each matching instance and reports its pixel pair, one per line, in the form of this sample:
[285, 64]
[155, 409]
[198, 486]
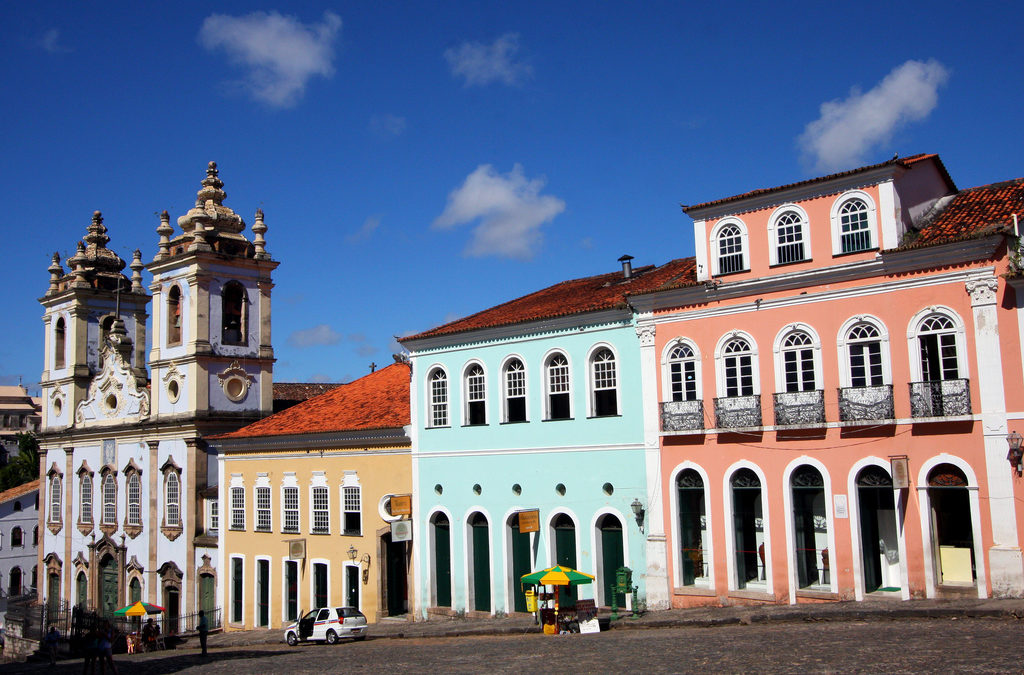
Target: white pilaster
[888, 215]
[700, 245]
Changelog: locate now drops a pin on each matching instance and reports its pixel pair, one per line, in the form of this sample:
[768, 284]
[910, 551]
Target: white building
[19, 539]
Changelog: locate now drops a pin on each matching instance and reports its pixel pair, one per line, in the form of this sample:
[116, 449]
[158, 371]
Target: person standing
[204, 629]
[52, 639]
[106, 647]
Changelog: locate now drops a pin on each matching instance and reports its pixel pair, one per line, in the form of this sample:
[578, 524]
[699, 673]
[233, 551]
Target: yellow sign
[401, 505]
[529, 521]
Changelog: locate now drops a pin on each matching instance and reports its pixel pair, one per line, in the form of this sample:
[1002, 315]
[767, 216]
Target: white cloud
[388, 126]
[280, 53]
[50, 42]
[365, 231]
[481, 63]
[509, 208]
[315, 336]
[848, 129]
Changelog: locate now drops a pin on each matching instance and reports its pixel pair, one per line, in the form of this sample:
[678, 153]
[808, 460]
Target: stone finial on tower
[258, 229]
[77, 263]
[136, 268]
[96, 235]
[56, 272]
[211, 190]
[165, 231]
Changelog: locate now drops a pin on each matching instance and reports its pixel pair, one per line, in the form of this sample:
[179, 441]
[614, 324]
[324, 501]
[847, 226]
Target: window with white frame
[515, 391]
[937, 348]
[290, 496]
[730, 249]
[353, 515]
[212, 516]
[55, 488]
[864, 348]
[321, 510]
[85, 499]
[109, 500]
[237, 508]
[790, 238]
[476, 395]
[798, 362]
[682, 373]
[438, 398]
[263, 508]
[134, 491]
[738, 368]
[172, 499]
[558, 387]
[854, 225]
[605, 383]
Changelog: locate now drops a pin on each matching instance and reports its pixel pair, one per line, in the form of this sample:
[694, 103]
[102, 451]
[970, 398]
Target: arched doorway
[693, 528]
[135, 595]
[810, 528]
[481, 562]
[207, 594]
[879, 538]
[748, 529]
[442, 560]
[82, 590]
[172, 608]
[519, 549]
[564, 536]
[952, 531]
[612, 557]
[396, 571]
[107, 596]
[14, 587]
[53, 590]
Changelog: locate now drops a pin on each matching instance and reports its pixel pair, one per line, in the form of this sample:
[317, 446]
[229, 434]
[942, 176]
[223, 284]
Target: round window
[560, 489]
[58, 406]
[477, 489]
[438, 489]
[517, 489]
[234, 387]
[110, 402]
[608, 488]
[173, 391]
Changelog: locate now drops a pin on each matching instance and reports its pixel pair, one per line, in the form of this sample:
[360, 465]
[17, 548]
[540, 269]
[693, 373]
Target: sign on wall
[900, 472]
[401, 530]
[109, 452]
[297, 549]
[842, 508]
[529, 521]
[401, 505]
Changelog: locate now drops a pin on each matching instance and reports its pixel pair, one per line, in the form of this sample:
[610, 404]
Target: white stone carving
[646, 335]
[982, 291]
[113, 394]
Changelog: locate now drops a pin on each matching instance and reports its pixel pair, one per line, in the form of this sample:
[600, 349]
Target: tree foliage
[25, 466]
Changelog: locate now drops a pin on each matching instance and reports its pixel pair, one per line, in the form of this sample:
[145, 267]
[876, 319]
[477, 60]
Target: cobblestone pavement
[892, 646]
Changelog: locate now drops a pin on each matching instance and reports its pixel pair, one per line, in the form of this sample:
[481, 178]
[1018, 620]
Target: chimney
[627, 268]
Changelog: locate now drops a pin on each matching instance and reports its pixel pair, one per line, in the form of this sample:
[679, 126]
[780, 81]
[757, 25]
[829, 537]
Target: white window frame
[773, 231]
[467, 399]
[791, 542]
[835, 218]
[231, 591]
[677, 562]
[845, 373]
[212, 515]
[85, 495]
[236, 509]
[592, 382]
[437, 407]
[510, 360]
[914, 333]
[56, 498]
[172, 507]
[730, 530]
[546, 379]
[312, 584]
[778, 349]
[755, 365]
[716, 232]
[285, 619]
[290, 482]
[666, 367]
[105, 517]
[350, 483]
[319, 482]
[256, 591]
[133, 502]
[262, 488]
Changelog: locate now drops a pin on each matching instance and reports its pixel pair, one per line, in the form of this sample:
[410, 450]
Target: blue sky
[420, 161]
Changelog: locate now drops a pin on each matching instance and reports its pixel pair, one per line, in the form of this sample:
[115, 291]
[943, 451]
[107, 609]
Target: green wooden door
[481, 564]
[108, 586]
[520, 563]
[81, 590]
[442, 562]
[565, 554]
[262, 593]
[53, 590]
[611, 557]
[207, 597]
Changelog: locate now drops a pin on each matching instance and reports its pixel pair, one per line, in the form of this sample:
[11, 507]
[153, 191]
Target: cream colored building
[306, 518]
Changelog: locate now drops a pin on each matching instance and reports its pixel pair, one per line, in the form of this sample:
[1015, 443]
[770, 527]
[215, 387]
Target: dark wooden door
[442, 562]
[520, 563]
[611, 557]
[397, 587]
[481, 565]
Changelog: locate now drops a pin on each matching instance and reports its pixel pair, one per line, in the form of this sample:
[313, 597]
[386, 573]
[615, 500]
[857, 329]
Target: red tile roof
[379, 400]
[589, 294]
[895, 161]
[19, 490]
[974, 212]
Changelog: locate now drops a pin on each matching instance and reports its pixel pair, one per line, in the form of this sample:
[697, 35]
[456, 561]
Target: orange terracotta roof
[19, 490]
[589, 294]
[905, 161]
[379, 400]
[974, 212]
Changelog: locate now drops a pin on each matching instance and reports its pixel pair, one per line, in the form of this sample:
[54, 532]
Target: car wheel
[332, 637]
[292, 639]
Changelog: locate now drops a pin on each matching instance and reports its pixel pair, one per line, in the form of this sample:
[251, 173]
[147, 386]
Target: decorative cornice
[982, 291]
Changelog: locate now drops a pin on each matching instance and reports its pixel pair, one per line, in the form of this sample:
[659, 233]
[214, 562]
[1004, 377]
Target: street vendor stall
[556, 576]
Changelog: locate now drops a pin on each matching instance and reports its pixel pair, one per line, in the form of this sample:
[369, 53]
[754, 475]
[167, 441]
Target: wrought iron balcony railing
[800, 407]
[733, 412]
[857, 404]
[940, 398]
[682, 415]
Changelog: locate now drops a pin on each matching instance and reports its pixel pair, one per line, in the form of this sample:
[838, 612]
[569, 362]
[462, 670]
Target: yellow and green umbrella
[557, 576]
[139, 608]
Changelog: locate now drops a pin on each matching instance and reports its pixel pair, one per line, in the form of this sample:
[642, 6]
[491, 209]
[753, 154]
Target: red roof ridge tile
[19, 490]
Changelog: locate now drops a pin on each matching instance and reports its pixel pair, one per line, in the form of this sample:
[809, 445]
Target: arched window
[605, 383]
[438, 398]
[134, 510]
[14, 587]
[174, 315]
[476, 395]
[85, 499]
[35, 535]
[234, 307]
[693, 529]
[55, 488]
[17, 537]
[852, 222]
[748, 530]
[790, 238]
[682, 373]
[798, 362]
[17, 506]
[172, 508]
[59, 343]
[864, 346]
[940, 386]
[106, 323]
[810, 528]
[515, 391]
[557, 376]
[936, 337]
[731, 256]
[109, 486]
[738, 368]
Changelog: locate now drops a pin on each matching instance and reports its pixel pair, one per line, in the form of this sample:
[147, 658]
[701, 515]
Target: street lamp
[638, 512]
[352, 553]
[1015, 456]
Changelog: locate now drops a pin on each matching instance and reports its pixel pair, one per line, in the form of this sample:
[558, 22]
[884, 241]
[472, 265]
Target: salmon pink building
[832, 390]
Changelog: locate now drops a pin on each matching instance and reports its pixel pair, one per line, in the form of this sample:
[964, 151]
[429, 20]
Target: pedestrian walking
[52, 639]
[92, 648]
[106, 646]
[204, 629]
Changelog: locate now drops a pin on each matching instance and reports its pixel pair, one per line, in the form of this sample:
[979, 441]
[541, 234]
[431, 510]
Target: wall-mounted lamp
[352, 553]
[1015, 456]
[638, 511]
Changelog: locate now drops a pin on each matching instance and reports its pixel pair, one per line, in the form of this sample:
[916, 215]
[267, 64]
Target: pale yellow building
[305, 515]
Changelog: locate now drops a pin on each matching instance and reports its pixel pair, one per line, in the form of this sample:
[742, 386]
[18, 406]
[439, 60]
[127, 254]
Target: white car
[328, 624]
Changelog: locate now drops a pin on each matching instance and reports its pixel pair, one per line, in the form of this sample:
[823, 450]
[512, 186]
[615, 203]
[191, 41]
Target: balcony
[682, 415]
[802, 408]
[940, 398]
[860, 404]
[734, 412]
